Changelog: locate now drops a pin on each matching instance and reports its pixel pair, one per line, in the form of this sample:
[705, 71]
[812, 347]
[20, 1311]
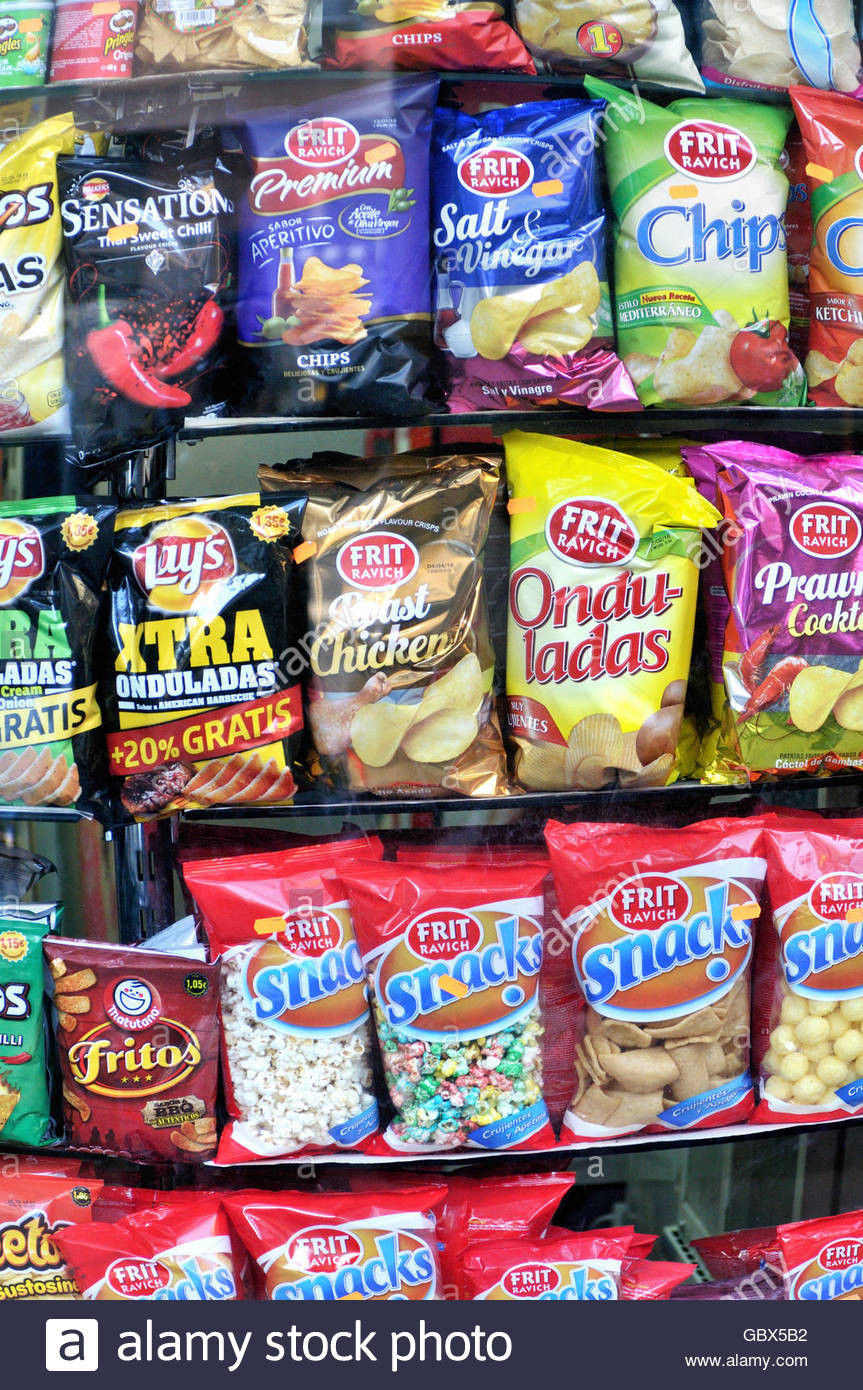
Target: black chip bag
[54, 554]
[197, 710]
[401, 666]
[334, 288]
[147, 260]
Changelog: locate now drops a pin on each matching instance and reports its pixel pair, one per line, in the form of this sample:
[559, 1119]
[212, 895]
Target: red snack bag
[733, 1253]
[453, 964]
[138, 1036]
[482, 1209]
[584, 1266]
[371, 1245]
[808, 1003]
[823, 1258]
[33, 1210]
[662, 928]
[175, 1251]
[651, 1279]
[447, 35]
[296, 1032]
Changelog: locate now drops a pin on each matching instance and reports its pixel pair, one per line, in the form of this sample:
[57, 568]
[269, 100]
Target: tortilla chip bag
[603, 583]
[701, 273]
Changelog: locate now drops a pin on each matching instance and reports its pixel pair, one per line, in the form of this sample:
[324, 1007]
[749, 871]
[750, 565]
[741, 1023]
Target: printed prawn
[751, 663]
[773, 687]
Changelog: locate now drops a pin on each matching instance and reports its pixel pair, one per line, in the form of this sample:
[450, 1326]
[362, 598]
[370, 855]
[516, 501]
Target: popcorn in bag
[701, 274]
[808, 1001]
[662, 931]
[296, 1031]
[641, 39]
[603, 583]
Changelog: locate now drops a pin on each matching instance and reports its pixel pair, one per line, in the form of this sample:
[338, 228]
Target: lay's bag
[603, 581]
[701, 275]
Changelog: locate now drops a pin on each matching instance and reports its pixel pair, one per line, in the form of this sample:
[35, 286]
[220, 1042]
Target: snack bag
[172, 37]
[401, 667]
[34, 1208]
[662, 927]
[810, 1008]
[823, 1258]
[447, 35]
[701, 275]
[147, 260]
[202, 610]
[138, 1035]
[177, 1251]
[786, 622]
[25, 1101]
[453, 965]
[328, 1246]
[798, 232]
[832, 131]
[483, 1209]
[522, 309]
[603, 583]
[32, 383]
[770, 44]
[640, 39]
[54, 555]
[296, 1030]
[732, 1254]
[334, 280]
[652, 1280]
[583, 1266]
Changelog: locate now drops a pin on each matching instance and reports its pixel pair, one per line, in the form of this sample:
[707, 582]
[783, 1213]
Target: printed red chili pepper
[203, 336]
[115, 352]
[17, 1061]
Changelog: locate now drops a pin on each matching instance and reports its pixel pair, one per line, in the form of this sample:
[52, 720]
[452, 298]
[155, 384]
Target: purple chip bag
[334, 276]
[522, 308]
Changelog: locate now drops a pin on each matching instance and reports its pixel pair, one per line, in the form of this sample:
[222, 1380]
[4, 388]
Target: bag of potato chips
[770, 44]
[447, 35]
[603, 583]
[401, 674]
[832, 130]
[785, 633]
[641, 39]
[522, 308]
[701, 275]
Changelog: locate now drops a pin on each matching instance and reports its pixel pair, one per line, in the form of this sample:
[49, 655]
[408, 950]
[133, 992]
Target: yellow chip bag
[603, 583]
[31, 279]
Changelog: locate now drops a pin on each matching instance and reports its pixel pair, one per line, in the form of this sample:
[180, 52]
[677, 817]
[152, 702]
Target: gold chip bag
[240, 34]
[400, 664]
[603, 582]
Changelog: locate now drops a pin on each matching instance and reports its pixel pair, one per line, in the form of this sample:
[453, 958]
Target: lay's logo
[662, 945]
[821, 938]
[22, 558]
[563, 1283]
[309, 977]
[182, 561]
[332, 1262]
[835, 1273]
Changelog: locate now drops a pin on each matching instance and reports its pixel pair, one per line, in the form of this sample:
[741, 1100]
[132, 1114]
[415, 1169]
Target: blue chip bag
[522, 311]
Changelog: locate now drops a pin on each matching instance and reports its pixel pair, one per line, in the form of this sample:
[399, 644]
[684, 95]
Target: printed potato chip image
[812, 695]
[377, 731]
[617, 38]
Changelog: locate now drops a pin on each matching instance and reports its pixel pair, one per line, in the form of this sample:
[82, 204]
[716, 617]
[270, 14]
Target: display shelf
[41, 813]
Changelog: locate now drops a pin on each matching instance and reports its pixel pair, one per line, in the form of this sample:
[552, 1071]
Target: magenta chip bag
[522, 306]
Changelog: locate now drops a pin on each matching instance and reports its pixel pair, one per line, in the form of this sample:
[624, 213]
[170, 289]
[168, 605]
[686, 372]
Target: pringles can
[93, 40]
[25, 32]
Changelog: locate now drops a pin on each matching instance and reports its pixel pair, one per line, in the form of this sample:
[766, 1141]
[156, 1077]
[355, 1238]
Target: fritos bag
[640, 39]
[523, 316]
[233, 34]
[809, 1008]
[786, 628]
[328, 1246]
[296, 1031]
[448, 35]
[54, 555]
[453, 964]
[603, 584]
[832, 131]
[138, 1036]
[25, 1100]
[583, 1266]
[32, 382]
[202, 613]
[701, 274]
[765, 45]
[401, 667]
[823, 1258]
[178, 1251]
[662, 926]
[34, 1208]
[334, 279]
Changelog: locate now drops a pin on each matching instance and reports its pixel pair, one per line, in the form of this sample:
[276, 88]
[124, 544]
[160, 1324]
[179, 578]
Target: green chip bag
[25, 1111]
[701, 276]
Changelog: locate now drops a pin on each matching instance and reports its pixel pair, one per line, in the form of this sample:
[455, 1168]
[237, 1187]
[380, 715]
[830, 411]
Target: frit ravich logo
[495, 172]
[182, 561]
[825, 530]
[708, 150]
[324, 1249]
[322, 142]
[378, 561]
[591, 531]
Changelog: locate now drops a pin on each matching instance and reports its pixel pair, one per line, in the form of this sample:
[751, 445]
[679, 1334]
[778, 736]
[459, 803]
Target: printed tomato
[761, 356]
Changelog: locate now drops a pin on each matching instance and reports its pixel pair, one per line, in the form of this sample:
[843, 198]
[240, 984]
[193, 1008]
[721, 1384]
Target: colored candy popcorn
[784, 619]
[823, 1258]
[584, 1267]
[604, 551]
[453, 964]
[662, 927]
[323, 1247]
[808, 1001]
[296, 1031]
